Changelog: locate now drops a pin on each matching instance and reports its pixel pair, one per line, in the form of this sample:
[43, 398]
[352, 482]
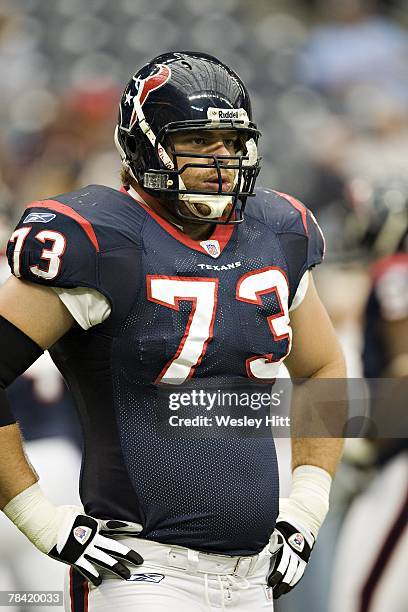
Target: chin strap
[216, 208]
[216, 203]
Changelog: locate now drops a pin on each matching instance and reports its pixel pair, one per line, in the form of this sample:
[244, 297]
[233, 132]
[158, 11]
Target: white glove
[290, 545]
[300, 518]
[67, 534]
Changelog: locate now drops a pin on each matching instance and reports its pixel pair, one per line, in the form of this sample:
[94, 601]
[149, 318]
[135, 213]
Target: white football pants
[371, 561]
[176, 579]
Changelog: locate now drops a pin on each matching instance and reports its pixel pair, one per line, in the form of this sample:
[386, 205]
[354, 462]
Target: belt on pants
[179, 557]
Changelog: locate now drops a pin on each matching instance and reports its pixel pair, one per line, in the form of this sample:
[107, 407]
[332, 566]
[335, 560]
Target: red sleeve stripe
[69, 212]
[299, 206]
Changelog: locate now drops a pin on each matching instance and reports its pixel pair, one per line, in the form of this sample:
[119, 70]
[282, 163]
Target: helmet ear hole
[131, 143]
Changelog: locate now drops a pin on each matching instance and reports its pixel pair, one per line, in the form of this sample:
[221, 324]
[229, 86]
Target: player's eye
[232, 143]
[199, 141]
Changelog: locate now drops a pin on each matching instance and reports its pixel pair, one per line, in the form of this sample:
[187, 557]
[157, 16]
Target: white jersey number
[18, 237]
[52, 256]
[250, 288]
[202, 292]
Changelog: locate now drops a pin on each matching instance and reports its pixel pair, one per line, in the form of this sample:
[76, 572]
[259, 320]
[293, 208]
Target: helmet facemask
[205, 205]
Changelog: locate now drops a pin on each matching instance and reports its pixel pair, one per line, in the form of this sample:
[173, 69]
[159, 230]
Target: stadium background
[329, 84]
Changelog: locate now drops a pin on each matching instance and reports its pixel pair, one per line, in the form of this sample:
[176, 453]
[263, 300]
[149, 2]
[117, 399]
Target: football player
[187, 277]
[375, 579]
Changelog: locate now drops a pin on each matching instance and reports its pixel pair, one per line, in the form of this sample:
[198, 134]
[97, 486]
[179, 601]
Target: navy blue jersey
[208, 313]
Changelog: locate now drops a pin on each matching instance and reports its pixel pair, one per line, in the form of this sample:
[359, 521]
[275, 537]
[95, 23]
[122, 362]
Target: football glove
[290, 545]
[82, 545]
[67, 534]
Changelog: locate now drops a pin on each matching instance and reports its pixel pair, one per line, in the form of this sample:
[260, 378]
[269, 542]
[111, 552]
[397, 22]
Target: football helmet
[378, 217]
[183, 92]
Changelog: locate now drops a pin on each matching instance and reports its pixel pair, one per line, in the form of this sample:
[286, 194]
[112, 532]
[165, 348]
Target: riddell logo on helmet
[233, 114]
[229, 114]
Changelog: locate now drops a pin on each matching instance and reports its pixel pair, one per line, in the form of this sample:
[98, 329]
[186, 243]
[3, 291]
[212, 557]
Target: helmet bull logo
[150, 83]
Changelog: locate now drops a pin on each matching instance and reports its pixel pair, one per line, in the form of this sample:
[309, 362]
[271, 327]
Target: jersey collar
[221, 234]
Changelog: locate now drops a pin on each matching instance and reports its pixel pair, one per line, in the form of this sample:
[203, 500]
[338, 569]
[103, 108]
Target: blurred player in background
[369, 571]
[155, 286]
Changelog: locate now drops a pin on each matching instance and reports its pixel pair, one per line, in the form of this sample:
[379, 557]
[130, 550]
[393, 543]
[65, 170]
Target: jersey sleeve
[54, 248]
[302, 241]
[304, 223]
[300, 292]
[87, 306]
[316, 243]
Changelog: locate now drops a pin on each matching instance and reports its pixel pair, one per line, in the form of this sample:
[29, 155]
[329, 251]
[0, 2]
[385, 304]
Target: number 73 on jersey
[203, 293]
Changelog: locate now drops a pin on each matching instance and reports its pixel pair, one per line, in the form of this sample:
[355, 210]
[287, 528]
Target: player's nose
[219, 148]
